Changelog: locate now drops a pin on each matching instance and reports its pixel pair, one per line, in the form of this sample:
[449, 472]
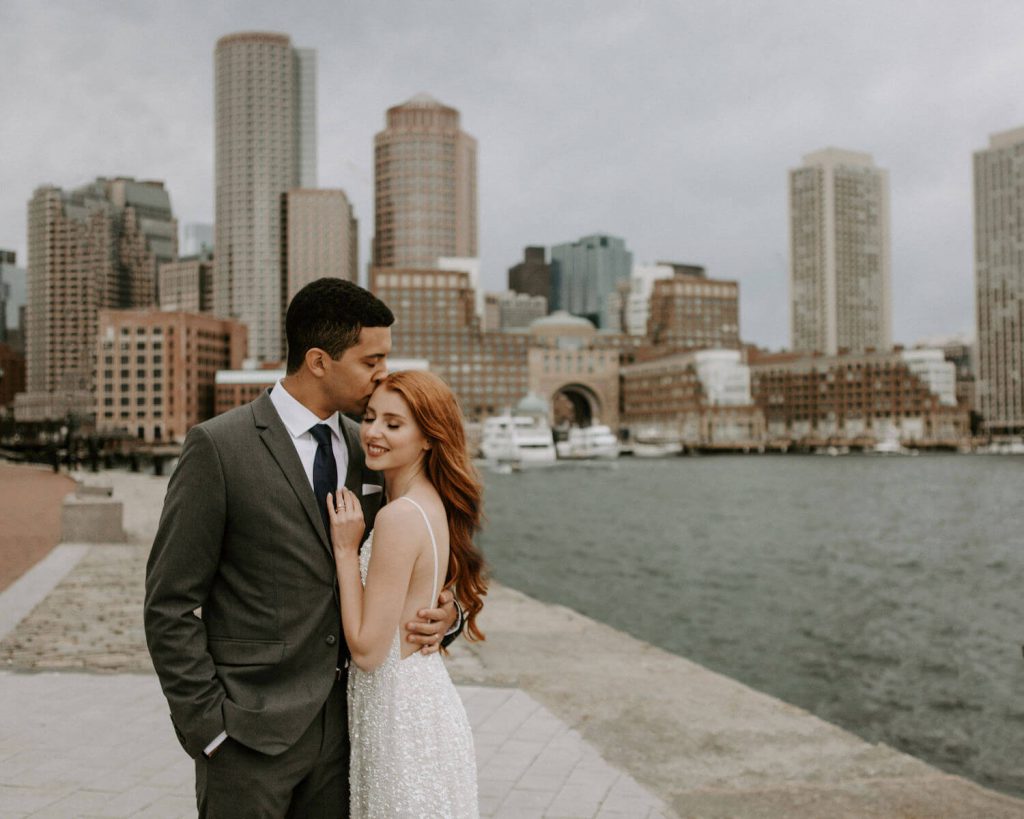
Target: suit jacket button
[331, 639]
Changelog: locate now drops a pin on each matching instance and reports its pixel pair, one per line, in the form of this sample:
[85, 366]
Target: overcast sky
[672, 124]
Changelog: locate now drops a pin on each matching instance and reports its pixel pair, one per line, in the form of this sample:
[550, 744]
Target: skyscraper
[532, 275]
[321, 237]
[839, 253]
[95, 247]
[424, 187]
[265, 103]
[586, 272]
[12, 296]
[999, 281]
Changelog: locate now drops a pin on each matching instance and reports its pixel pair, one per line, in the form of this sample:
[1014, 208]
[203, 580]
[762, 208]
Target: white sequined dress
[412, 747]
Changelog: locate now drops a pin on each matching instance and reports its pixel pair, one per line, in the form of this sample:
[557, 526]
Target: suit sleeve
[181, 569]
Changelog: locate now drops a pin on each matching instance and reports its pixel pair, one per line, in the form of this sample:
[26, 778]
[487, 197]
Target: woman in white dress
[411, 744]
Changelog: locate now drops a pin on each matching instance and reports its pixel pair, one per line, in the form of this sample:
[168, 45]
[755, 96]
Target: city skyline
[580, 129]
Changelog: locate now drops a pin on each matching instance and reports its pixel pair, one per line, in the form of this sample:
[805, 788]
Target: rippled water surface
[885, 595]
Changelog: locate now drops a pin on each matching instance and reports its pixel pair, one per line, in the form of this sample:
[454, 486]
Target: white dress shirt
[298, 420]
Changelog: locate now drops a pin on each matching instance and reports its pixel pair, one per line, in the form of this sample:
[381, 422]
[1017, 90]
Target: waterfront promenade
[571, 718]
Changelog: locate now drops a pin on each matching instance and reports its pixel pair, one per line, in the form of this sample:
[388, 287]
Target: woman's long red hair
[448, 467]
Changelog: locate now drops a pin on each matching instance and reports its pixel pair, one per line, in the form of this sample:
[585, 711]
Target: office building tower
[687, 312]
[186, 285]
[95, 247]
[12, 298]
[999, 282]
[265, 146]
[321, 237]
[585, 273]
[424, 187]
[839, 253]
[156, 370]
[532, 275]
[512, 311]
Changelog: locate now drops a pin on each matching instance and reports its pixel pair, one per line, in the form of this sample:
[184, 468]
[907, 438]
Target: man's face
[352, 378]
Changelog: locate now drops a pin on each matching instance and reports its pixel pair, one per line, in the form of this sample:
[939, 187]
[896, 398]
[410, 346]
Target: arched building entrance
[575, 371]
[575, 405]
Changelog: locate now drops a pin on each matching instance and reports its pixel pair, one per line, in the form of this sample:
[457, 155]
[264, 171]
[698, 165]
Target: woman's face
[391, 438]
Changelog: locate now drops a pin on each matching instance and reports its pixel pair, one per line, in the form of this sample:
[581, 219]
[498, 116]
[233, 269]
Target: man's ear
[316, 361]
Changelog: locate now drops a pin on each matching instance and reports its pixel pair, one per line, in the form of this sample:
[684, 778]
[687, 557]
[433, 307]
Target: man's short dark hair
[329, 313]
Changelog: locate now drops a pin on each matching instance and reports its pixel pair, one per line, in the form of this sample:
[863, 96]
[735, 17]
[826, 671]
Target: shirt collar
[296, 416]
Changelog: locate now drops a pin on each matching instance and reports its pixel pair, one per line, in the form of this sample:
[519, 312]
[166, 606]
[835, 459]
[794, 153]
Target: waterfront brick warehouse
[30, 503]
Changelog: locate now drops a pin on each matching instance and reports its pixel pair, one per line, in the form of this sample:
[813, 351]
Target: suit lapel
[278, 440]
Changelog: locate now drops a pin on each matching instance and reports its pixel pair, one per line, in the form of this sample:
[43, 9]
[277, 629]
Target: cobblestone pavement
[91, 621]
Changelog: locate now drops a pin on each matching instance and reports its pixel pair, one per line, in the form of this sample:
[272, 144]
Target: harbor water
[885, 595]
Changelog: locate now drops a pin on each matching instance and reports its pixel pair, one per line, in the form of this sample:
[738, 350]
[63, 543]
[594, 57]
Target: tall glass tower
[265, 108]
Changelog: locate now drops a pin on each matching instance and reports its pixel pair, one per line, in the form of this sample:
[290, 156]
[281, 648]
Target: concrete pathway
[84, 729]
[571, 717]
[81, 745]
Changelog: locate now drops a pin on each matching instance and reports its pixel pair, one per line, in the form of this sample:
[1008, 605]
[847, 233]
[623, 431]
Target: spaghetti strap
[433, 543]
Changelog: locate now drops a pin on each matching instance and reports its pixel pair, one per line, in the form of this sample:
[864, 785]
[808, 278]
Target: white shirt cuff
[213, 746]
[458, 620]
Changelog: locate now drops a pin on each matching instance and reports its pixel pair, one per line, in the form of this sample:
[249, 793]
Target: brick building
[859, 398]
[691, 312]
[156, 370]
[436, 320]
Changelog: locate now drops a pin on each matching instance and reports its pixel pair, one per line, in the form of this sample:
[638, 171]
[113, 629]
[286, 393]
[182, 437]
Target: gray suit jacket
[241, 538]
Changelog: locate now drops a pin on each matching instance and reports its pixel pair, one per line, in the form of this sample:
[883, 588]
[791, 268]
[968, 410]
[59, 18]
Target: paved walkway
[84, 728]
[76, 745]
[571, 717]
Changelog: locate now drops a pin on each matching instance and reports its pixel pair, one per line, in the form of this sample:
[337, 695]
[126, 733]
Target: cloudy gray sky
[669, 123]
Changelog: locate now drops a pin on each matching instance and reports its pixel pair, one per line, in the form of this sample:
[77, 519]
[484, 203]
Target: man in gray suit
[242, 615]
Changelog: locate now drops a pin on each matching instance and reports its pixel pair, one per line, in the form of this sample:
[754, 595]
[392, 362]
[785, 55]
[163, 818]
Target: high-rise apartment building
[425, 204]
[265, 145]
[186, 285]
[436, 320]
[156, 370]
[586, 272]
[839, 253]
[95, 247]
[12, 298]
[321, 237]
[999, 281]
[688, 312]
[532, 275]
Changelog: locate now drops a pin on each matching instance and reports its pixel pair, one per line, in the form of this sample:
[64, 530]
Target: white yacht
[582, 443]
[517, 439]
[651, 442]
[890, 445]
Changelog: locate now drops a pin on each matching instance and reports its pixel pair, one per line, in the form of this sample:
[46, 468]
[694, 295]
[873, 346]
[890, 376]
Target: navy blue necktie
[325, 471]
